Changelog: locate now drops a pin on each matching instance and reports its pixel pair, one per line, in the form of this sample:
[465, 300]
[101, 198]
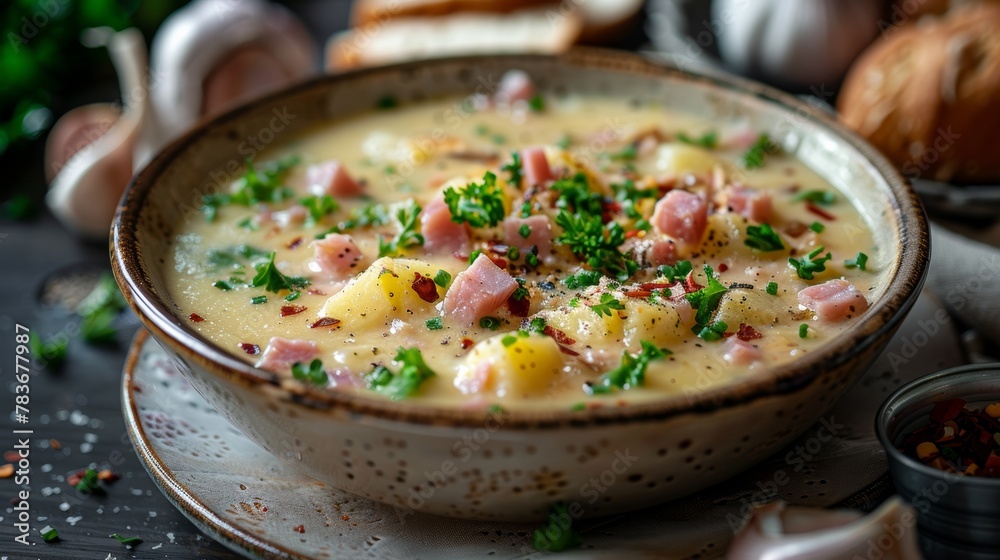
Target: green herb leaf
[757, 154]
[293, 296]
[127, 541]
[514, 169]
[823, 198]
[810, 264]
[20, 207]
[90, 483]
[557, 534]
[630, 373]
[607, 303]
[313, 373]
[588, 238]
[708, 140]
[99, 310]
[407, 236]
[803, 330]
[49, 534]
[564, 142]
[478, 204]
[474, 255]
[763, 238]
[711, 333]
[817, 227]
[860, 262]
[407, 381]
[537, 103]
[536, 325]
[772, 288]
[53, 352]
[442, 278]
[257, 300]
[583, 279]
[369, 215]
[628, 153]
[675, 273]
[706, 300]
[273, 280]
[434, 324]
[576, 197]
[318, 207]
[491, 323]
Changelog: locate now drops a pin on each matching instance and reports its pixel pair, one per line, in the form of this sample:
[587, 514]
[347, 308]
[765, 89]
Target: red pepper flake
[467, 343]
[567, 351]
[690, 285]
[7, 471]
[746, 333]
[325, 322]
[723, 267]
[631, 233]
[425, 288]
[293, 244]
[300, 529]
[195, 318]
[106, 475]
[287, 310]
[502, 263]
[344, 517]
[958, 439]
[657, 285]
[249, 348]
[558, 335]
[11, 456]
[54, 444]
[315, 292]
[947, 410]
[638, 293]
[820, 212]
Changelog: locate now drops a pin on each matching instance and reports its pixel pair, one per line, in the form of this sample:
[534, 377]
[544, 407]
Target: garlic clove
[76, 130]
[213, 54]
[781, 532]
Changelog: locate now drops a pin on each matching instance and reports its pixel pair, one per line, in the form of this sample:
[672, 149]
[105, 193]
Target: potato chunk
[511, 365]
[659, 323]
[380, 294]
[753, 307]
[681, 158]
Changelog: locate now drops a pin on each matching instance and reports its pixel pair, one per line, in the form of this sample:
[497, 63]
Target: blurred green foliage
[42, 63]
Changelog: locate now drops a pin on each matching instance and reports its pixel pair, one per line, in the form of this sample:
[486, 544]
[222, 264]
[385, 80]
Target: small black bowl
[957, 516]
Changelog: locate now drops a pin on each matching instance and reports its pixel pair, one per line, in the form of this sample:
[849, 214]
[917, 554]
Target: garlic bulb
[781, 532]
[213, 54]
[90, 149]
[794, 43]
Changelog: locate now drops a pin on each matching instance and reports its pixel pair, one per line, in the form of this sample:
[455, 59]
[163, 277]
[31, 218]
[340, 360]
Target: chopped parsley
[442, 278]
[526, 210]
[755, 157]
[771, 288]
[53, 351]
[824, 198]
[255, 186]
[513, 253]
[319, 206]
[521, 292]
[20, 208]
[607, 303]
[575, 195]
[247, 224]
[313, 373]
[706, 299]
[583, 279]
[434, 324]
[273, 280]
[628, 153]
[99, 310]
[49, 534]
[537, 103]
[536, 325]
[524, 231]
[407, 381]
[708, 140]
[474, 255]
[514, 169]
[817, 227]
[803, 330]
[478, 204]
[371, 214]
[630, 373]
[89, 482]
[677, 272]
[588, 238]
[407, 236]
[293, 296]
[223, 285]
[257, 300]
[491, 323]
[127, 541]
[557, 534]
[763, 238]
[810, 264]
[713, 332]
[628, 195]
[860, 262]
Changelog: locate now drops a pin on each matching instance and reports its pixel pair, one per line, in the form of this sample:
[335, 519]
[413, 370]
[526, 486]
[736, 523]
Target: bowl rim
[881, 319]
[959, 375]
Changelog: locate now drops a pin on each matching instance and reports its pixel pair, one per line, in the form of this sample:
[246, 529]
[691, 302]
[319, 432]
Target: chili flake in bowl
[959, 439]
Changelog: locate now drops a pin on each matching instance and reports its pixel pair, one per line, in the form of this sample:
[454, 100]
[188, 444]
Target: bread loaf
[927, 96]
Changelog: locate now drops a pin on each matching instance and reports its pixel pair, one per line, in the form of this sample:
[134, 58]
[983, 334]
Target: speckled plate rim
[884, 316]
[236, 538]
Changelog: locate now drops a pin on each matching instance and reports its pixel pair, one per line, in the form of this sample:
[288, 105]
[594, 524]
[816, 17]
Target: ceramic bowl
[512, 466]
[958, 517]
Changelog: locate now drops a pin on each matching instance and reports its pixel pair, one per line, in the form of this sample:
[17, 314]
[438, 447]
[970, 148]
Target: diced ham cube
[536, 166]
[440, 233]
[477, 291]
[515, 85]
[330, 177]
[750, 203]
[294, 215]
[833, 300]
[336, 256]
[539, 234]
[681, 215]
[281, 353]
[739, 352]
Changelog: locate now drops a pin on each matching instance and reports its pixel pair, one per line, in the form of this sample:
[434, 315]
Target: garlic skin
[214, 54]
[795, 43]
[778, 531]
[87, 185]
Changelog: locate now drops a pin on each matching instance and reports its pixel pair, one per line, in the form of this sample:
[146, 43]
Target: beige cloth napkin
[965, 274]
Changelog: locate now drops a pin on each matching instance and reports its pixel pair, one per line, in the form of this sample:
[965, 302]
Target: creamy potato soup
[524, 250]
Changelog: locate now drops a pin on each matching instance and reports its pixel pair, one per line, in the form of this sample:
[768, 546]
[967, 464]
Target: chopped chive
[803, 330]
[817, 227]
[491, 323]
[258, 300]
[223, 285]
[49, 534]
[475, 255]
[513, 253]
[578, 407]
[860, 262]
[127, 541]
[772, 288]
[524, 230]
[293, 296]
[434, 324]
[442, 278]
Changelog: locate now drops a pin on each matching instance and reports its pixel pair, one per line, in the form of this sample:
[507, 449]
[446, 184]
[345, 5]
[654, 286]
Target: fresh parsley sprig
[407, 381]
[588, 238]
[372, 214]
[708, 140]
[583, 279]
[575, 195]
[707, 299]
[810, 264]
[676, 272]
[607, 303]
[630, 373]
[860, 262]
[407, 236]
[312, 373]
[477, 204]
[273, 280]
[255, 186]
[763, 238]
[755, 157]
[514, 169]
